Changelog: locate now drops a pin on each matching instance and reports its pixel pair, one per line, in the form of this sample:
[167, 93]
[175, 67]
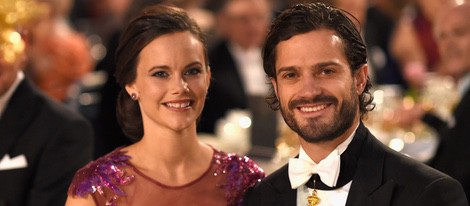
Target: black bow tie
[315, 183]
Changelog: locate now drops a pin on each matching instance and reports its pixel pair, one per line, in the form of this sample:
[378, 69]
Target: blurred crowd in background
[419, 64]
[71, 58]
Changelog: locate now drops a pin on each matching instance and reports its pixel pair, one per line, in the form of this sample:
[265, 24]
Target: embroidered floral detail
[104, 173]
[242, 173]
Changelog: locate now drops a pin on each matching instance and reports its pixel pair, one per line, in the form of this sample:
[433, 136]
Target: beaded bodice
[113, 180]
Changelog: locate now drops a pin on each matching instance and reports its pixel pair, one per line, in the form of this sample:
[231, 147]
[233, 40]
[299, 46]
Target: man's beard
[315, 130]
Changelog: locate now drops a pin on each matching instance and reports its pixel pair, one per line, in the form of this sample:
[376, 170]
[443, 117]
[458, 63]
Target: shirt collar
[463, 84]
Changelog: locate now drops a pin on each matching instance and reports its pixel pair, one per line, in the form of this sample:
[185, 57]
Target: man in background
[42, 143]
[452, 32]
[238, 80]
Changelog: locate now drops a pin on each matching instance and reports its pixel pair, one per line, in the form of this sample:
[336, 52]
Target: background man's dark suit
[226, 91]
[453, 154]
[383, 177]
[55, 141]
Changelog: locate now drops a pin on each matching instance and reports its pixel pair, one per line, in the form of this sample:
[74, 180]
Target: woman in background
[162, 68]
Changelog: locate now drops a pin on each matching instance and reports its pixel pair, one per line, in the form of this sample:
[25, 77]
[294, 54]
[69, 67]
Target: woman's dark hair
[303, 18]
[153, 22]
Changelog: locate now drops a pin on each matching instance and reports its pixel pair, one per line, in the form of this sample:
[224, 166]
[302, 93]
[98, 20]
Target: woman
[162, 66]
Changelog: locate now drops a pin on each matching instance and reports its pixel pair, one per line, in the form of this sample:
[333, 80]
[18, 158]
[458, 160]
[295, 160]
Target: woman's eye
[193, 71]
[161, 74]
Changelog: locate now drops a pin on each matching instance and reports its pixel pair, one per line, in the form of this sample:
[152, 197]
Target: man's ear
[274, 83]
[360, 78]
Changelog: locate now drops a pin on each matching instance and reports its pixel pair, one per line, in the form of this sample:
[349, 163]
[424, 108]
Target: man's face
[452, 32]
[245, 22]
[313, 82]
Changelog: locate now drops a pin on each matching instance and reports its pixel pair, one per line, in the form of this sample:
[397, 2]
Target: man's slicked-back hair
[303, 18]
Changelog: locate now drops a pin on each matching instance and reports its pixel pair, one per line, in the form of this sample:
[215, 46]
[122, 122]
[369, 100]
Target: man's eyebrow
[315, 66]
[326, 64]
[286, 69]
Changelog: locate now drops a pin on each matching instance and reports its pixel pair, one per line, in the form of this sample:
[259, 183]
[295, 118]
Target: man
[42, 143]
[316, 60]
[235, 60]
[237, 69]
[452, 32]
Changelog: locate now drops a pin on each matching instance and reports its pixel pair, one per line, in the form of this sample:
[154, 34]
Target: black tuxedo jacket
[383, 177]
[226, 91]
[453, 154]
[55, 141]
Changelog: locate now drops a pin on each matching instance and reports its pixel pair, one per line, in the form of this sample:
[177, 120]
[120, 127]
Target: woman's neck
[170, 155]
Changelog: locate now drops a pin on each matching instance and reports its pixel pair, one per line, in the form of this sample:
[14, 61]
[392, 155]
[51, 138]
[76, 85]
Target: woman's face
[171, 82]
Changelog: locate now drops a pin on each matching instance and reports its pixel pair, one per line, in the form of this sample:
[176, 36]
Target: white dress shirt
[463, 85]
[335, 197]
[5, 98]
[250, 65]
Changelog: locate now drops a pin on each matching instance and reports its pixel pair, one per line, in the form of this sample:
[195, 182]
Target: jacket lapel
[18, 114]
[383, 195]
[367, 187]
[288, 197]
[284, 194]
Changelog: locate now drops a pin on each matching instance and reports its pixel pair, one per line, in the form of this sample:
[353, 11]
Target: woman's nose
[179, 85]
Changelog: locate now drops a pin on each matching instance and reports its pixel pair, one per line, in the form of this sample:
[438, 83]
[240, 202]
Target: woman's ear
[131, 89]
[361, 78]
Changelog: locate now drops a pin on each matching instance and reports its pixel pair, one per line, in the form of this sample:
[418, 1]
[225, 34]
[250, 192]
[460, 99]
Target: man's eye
[161, 74]
[289, 75]
[327, 71]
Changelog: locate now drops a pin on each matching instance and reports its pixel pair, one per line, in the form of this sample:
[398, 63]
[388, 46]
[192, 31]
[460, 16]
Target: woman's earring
[134, 96]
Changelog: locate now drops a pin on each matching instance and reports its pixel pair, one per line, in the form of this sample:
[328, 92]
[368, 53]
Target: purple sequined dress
[113, 180]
